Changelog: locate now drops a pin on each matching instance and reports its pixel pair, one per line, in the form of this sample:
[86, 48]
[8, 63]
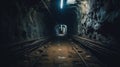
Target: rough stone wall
[95, 16]
[22, 20]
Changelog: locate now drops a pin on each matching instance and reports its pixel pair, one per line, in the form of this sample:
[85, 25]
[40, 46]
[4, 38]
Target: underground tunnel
[60, 33]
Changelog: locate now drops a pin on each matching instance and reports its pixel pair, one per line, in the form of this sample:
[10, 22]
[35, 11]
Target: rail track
[13, 52]
[55, 54]
[77, 51]
[98, 47]
[91, 60]
[103, 51]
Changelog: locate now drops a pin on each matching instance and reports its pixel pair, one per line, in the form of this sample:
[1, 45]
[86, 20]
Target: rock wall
[23, 20]
[98, 19]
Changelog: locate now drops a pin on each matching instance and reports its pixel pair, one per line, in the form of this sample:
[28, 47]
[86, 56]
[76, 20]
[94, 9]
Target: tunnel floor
[64, 53]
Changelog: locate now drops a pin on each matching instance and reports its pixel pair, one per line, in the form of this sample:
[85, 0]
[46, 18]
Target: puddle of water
[59, 49]
[88, 56]
[61, 57]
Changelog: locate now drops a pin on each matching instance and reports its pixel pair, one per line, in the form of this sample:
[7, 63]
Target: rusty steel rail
[81, 57]
[95, 46]
[19, 50]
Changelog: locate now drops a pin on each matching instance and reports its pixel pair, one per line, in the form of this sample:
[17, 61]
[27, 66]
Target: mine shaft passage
[61, 29]
[60, 53]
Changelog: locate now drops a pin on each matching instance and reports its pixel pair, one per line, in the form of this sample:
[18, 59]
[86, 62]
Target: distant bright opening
[61, 29]
[61, 4]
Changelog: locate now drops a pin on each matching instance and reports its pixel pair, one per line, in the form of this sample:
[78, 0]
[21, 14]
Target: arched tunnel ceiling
[94, 19]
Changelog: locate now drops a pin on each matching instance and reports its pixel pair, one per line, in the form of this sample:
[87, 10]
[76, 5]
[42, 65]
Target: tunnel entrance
[61, 29]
